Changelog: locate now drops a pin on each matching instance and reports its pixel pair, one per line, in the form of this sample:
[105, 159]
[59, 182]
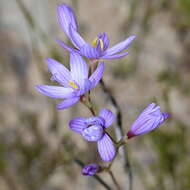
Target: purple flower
[75, 83]
[90, 169]
[93, 129]
[150, 119]
[98, 48]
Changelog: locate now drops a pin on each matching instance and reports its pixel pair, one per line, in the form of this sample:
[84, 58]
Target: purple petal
[105, 39]
[149, 108]
[98, 48]
[106, 148]
[95, 121]
[146, 119]
[147, 125]
[119, 47]
[62, 44]
[93, 133]
[86, 87]
[97, 74]
[115, 56]
[66, 17]
[67, 103]
[90, 169]
[60, 73]
[77, 124]
[108, 116]
[55, 91]
[164, 117]
[79, 69]
[90, 52]
[75, 37]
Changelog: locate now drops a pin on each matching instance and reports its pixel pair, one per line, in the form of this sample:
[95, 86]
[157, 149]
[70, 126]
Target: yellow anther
[101, 44]
[72, 84]
[94, 42]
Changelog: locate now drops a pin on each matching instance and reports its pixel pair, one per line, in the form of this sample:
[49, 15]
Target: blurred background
[37, 150]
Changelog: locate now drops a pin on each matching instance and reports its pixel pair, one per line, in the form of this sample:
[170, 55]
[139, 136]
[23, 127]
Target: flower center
[93, 133]
[95, 42]
[72, 84]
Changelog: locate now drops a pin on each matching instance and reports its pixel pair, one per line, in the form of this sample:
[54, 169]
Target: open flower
[93, 129]
[90, 169]
[99, 47]
[74, 83]
[150, 119]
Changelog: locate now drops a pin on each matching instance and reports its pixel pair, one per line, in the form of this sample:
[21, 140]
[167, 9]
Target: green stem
[91, 110]
[122, 142]
[86, 100]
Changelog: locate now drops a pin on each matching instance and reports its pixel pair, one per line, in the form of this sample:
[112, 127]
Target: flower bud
[150, 119]
[90, 169]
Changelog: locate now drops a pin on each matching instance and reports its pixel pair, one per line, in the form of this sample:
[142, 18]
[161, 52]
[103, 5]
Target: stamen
[94, 42]
[101, 44]
[72, 84]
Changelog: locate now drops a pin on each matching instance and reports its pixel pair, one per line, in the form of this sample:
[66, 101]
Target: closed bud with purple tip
[90, 169]
[150, 119]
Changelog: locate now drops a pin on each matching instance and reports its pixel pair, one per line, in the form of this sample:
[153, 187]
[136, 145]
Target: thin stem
[111, 163]
[91, 109]
[122, 142]
[118, 130]
[87, 102]
[114, 180]
[119, 133]
[89, 105]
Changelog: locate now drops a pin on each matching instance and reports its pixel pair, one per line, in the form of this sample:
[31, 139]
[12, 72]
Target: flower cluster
[76, 82]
